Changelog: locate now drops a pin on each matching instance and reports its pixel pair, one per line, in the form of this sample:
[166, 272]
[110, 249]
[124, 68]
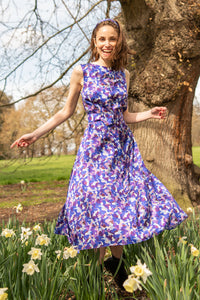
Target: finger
[14, 144]
[20, 143]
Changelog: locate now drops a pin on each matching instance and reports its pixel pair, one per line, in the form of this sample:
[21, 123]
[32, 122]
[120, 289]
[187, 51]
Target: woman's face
[105, 42]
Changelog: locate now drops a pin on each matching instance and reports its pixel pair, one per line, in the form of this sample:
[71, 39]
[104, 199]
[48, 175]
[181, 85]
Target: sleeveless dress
[112, 199]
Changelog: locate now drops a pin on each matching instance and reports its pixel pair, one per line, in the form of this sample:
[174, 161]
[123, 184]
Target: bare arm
[61, 116]
[154, 113]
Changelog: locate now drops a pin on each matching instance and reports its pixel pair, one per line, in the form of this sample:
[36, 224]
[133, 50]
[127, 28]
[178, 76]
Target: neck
[103, 62]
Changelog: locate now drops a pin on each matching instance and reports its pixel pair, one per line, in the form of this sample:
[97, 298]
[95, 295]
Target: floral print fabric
[112, 199]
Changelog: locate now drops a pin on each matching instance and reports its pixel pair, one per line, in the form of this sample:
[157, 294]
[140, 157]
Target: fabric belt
[107, 118]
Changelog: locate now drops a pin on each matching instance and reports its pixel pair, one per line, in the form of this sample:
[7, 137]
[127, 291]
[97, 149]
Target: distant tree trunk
[164, 72]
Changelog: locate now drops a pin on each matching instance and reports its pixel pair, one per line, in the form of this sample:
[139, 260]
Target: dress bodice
[104, 92]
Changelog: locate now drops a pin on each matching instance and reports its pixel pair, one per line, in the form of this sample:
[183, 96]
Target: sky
[50, 61]
[17, 44]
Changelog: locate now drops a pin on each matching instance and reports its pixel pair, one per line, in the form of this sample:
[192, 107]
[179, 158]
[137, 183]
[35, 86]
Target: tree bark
[164, 72]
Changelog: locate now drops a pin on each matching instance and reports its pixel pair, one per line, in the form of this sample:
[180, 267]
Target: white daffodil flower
[3, 294]
[141, 270]
[35, 253]
[194, 251]
[58, 252]
[7, 233]
[182, 240]
[72, 252]
[30, 268]
[66, 253]
[18, 208]
[26, 232]
[37, 227]
[132, 284]
[69, 252]
[42, 240]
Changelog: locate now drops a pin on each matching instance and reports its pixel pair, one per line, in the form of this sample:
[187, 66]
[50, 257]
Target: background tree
[166, 36]
[64, 139]
[4, 100]
[196, 125]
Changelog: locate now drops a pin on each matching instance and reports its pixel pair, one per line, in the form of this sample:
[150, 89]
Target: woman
[112, 200]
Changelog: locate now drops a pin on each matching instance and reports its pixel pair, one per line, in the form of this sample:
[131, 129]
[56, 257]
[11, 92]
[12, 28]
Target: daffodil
[138, 271]
[18, 208]
[30, 268]
[7, 233]
[141, 270]
[65, 253]
[72, 252]
[42, 240]
[35, 253]
[3, 295]
[132, 284]
[182, 240]
[26, 232]
[37, 227]
[23, 185]
[58, 252]
[69, 252]
[194, 251]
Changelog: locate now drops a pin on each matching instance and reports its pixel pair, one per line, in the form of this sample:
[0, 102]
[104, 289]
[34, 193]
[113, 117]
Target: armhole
[127, 78]
[82, 81]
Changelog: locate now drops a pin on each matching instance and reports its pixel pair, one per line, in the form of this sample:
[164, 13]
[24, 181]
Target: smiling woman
[113, 199]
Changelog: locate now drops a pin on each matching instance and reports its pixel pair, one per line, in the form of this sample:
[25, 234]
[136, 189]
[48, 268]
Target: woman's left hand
[159, 112]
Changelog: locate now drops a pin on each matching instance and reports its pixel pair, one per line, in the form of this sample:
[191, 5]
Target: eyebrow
[112, 36]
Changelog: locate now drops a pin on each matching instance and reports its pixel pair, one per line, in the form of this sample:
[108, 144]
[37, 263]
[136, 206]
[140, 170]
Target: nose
[107, 43]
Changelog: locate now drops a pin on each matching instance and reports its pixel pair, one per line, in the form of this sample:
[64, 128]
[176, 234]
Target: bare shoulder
[77, 74]
[78, 71]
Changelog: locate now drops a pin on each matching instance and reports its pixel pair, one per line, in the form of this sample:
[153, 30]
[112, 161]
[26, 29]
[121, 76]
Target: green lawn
[196, 155]
[36, 169]
[47, 168]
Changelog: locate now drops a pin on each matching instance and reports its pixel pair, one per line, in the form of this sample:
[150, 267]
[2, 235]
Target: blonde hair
[120, 55]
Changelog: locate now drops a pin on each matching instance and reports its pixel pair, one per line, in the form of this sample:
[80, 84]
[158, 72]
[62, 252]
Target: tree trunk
[164, 72]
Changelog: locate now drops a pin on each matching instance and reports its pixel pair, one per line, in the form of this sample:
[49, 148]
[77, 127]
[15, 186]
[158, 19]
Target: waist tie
[108, 118]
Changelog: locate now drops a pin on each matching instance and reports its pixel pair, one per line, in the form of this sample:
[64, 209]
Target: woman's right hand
[24, 141]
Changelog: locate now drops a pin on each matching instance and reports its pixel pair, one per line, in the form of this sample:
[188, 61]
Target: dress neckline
[108, 68]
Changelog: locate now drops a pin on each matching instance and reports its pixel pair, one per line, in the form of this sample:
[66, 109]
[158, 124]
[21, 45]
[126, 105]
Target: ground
[40, 200]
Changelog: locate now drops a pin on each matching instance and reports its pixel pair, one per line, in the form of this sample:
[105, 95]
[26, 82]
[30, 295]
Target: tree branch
[46, 41]
[50, 85]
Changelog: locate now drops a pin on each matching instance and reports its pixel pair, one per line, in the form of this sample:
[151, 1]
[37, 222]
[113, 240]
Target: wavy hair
[120, 55]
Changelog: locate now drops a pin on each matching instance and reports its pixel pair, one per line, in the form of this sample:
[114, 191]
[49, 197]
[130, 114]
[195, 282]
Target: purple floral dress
[113, 199]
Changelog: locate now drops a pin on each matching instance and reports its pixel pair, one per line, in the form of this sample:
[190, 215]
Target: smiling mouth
[106, 51]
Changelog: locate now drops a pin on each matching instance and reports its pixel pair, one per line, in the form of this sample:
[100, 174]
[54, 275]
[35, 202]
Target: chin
[105, 57]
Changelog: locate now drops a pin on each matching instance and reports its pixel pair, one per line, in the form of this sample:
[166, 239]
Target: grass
[47, 168]
[36, 169]
[33, 193]
[196, 155]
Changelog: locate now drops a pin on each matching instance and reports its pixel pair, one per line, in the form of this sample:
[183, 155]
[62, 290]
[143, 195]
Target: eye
[113, 38]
